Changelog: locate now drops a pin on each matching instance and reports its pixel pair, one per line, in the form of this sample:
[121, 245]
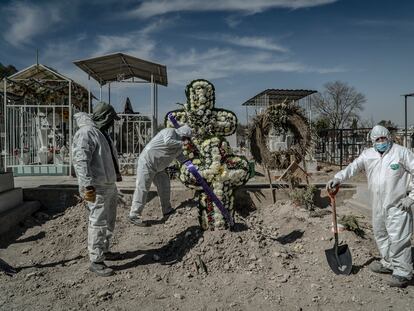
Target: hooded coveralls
[94, 166]
[389, 176]
[152, 162]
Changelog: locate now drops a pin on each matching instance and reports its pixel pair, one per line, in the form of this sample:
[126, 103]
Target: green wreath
[281, 117]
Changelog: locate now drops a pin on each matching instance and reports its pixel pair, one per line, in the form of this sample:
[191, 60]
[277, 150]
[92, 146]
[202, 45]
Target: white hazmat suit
[94, 166]
[389, 176]
[152, 162]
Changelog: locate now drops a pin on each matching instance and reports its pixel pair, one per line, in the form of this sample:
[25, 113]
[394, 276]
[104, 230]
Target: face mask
[381, 147]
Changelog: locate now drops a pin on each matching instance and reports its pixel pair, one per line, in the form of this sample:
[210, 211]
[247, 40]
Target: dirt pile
[274, 259]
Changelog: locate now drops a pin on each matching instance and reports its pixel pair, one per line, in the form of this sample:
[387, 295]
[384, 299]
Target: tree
[320, 125]
[339, 103]
[388, 124]
[6, 71]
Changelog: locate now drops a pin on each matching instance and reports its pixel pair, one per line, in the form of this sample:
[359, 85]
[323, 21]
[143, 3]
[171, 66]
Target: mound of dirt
[274, 259]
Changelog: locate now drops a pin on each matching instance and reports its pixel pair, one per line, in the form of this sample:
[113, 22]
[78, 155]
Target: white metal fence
[131, 133]
[37, 139]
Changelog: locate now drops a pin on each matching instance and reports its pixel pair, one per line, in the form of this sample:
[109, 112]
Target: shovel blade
[340, 262]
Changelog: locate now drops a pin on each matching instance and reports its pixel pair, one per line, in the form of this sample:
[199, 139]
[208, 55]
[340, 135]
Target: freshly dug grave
[274, 260]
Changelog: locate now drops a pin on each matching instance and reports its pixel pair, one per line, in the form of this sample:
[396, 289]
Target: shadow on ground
[171, 253]
[291, 237]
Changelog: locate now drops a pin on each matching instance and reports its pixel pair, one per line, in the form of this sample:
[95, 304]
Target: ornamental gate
[131, 133]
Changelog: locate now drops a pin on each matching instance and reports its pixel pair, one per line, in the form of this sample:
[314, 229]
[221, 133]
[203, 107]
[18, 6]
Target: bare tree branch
[339, 103]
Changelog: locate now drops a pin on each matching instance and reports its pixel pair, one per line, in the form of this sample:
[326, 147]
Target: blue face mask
[382, 147]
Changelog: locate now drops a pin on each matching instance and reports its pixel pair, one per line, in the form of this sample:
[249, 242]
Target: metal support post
[109, 93]
[341, 146]
[156, 104]
[154, 126]
[70, 128]
[5, 124]
[89, 95]
[405, 132]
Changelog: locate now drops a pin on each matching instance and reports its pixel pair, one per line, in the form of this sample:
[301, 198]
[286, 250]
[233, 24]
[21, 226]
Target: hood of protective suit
[184, 131]
[379, 131]
[83, 119]
[104, 115]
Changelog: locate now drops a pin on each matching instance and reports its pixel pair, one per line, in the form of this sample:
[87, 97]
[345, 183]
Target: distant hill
[6, 71]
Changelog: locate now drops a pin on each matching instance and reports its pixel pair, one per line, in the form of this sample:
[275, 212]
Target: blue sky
[243, 47]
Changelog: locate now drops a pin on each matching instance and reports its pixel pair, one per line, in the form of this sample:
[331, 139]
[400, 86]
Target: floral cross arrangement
[210, 152]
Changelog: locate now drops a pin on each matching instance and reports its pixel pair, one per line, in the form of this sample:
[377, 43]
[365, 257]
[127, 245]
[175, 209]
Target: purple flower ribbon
[193, 170]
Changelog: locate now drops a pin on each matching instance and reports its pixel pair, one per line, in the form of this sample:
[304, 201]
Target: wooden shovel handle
[332, 193]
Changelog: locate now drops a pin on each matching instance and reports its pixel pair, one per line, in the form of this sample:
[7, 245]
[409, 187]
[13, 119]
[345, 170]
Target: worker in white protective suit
[165, 147]
[389, 168]
[95, 165]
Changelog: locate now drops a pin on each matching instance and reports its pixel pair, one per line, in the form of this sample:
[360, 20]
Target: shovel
[339, 257]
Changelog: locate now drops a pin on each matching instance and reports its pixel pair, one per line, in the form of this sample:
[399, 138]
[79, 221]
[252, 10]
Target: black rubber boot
[101, 269]
[137, 221]
[398, 281]
[377, 267]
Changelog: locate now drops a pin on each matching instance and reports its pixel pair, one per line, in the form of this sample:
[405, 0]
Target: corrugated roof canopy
[276, 96]
[38, 72]
[40, 82]
[119, 66]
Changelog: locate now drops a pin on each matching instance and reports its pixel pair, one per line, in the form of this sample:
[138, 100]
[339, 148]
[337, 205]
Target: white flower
[191, 155]
[216, 157]
[215, 166]
[217, 185]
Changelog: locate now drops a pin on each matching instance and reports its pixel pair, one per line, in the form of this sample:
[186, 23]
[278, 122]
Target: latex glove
[332, 184]
[181, 158]
[89, 194]
[405, 204]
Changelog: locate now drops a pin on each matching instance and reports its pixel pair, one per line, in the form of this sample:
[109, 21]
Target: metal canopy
[276, 96]
[119, 66]
[38, 72]
[42, 82]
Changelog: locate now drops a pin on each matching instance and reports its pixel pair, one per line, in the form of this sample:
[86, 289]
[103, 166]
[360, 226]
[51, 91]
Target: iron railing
[341, 146]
